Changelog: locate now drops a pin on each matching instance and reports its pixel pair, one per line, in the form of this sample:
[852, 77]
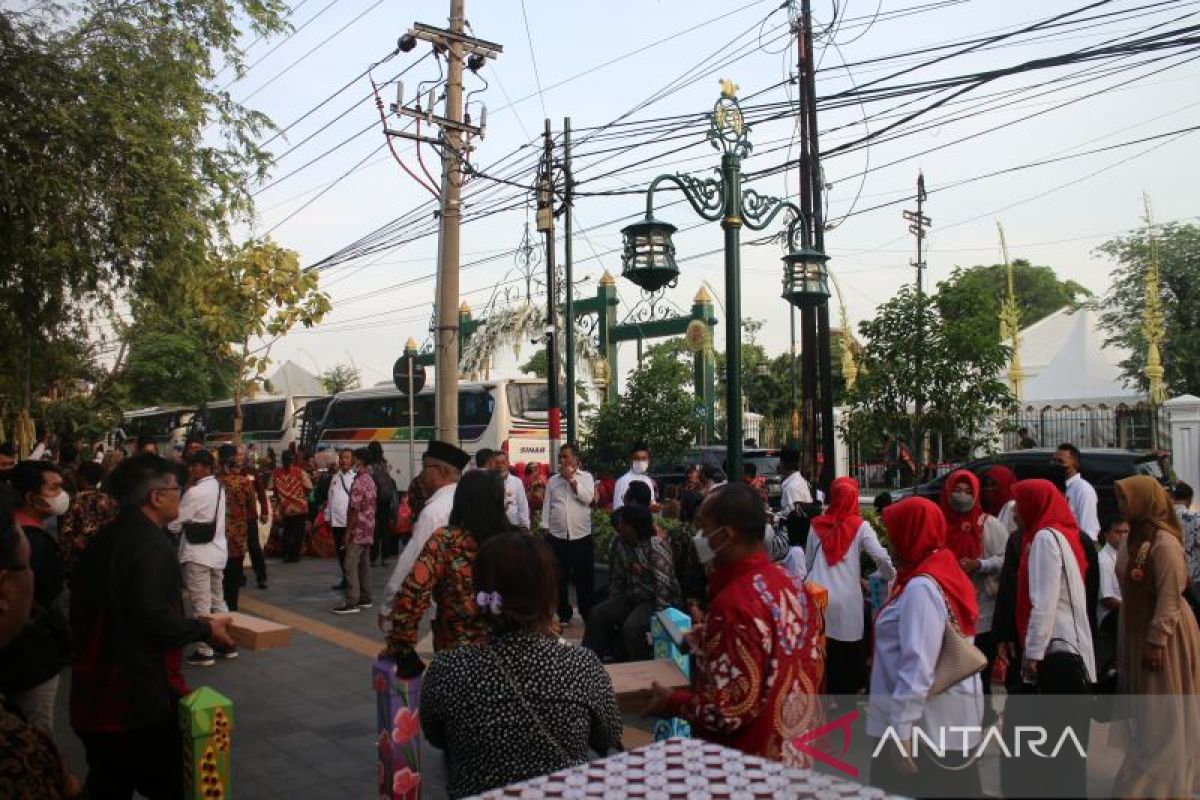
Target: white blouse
[1058, 620]
[986, 579]
[908, 640]
[843, 581]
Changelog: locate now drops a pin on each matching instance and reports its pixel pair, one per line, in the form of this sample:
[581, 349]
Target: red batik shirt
[758, 664]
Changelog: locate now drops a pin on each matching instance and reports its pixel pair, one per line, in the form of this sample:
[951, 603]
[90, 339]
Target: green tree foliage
[952, 367]
[657, 408]
[971, 296]
[1179, 287]
[122, 164]
[253, 296]
[339, 378]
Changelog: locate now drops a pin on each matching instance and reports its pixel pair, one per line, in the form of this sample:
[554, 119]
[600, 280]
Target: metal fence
[1134, 427]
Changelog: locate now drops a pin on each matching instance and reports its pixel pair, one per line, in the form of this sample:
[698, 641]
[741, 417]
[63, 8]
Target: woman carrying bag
[1052, 625]
[925, 669]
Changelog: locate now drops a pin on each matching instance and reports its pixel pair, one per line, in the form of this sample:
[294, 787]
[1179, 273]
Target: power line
[533, 59]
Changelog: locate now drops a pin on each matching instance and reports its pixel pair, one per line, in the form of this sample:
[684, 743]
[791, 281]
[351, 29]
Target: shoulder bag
[958, 659]
[204, 532]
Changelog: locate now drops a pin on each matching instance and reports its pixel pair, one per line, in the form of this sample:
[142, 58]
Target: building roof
[1065, 361]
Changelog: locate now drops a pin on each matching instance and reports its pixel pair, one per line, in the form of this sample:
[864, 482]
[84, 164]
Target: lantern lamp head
[805, 278]
[648, 259]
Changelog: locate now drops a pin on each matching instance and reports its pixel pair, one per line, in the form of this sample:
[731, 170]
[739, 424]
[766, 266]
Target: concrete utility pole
[455, 129]
[545, 224]
[918, 222]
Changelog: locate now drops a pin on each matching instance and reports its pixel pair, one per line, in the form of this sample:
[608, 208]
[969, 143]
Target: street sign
[408, 375]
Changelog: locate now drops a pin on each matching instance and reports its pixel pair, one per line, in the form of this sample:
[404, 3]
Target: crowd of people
[113, 567]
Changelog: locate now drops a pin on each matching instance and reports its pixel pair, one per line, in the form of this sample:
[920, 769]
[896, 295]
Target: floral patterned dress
[91, 510]
[441, 574]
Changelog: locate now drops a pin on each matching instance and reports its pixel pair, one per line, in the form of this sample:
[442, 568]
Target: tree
[120, 158]
[1179, 289]
[971, 296]
[257, 292]
[339, 378]
[953, 366]
[536, 365]
[657, 408]
[174, 364]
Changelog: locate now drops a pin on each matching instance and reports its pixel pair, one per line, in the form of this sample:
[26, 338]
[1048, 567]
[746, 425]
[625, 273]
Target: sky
[593, 62]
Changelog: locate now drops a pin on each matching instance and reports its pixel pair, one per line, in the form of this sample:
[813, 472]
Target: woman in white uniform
[930, 591]
[833, 559]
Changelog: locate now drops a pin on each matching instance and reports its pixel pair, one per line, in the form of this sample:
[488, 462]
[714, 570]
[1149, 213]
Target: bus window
[378, 412]
[475, 408]
[527, 398]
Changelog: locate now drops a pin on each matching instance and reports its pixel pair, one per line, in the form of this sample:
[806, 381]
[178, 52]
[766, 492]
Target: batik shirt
[30, 765]
[1190, 522]
[240, 512]
[90, 511]
[759, 663]
[644, 572]
[362, 504]
[442, 574]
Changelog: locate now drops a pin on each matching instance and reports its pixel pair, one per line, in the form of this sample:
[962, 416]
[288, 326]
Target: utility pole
[568, 279]
[918, 222]
[545, 224]
[455, 129]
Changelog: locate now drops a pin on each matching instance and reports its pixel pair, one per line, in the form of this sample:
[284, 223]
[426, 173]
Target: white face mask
[58, 504]
[639, 467]
[704, 549]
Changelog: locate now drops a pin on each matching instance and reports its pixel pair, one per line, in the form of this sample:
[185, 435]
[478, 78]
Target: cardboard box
[256, 633]
[206, 720]
[632, 681]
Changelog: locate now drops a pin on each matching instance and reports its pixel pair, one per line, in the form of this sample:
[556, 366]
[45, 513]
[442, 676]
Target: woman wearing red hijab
[1053, 627]
[832, 557]
[930, 590]
[978, 540]
[997, 494]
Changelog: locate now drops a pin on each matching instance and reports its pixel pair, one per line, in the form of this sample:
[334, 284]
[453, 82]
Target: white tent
[1065, 363]
[292, 379]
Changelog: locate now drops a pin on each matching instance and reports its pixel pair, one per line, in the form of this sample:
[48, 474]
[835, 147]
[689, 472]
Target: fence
[1131, 427]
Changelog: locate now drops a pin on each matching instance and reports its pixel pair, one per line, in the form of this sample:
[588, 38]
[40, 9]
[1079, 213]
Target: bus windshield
[528, 399]
[391, 411]
[160, 425]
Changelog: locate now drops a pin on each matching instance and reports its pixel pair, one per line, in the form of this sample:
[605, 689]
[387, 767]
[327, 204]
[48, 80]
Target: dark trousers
[148, 761]
[845, 666]
[231, 581]
[577, 565]
[987, 645]
[257, 561]
[339, 547]
[293, 536]
[618, 627]
[1060, 699]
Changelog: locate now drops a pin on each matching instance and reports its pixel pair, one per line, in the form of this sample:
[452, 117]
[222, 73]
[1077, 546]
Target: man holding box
[758, 653]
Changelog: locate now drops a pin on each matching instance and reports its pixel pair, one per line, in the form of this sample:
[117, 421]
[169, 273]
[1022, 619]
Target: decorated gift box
[206, 718]
[397, 708]
[665, 648]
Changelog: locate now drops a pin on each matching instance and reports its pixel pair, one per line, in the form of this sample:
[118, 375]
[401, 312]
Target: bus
[313, 412]
[267, 421]
[167, 426]
[500, 414]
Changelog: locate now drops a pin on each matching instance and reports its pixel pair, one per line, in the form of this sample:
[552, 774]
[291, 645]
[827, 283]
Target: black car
[1100, 467]
[765, 460]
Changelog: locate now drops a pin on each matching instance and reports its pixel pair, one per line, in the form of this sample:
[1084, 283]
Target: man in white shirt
[639, 464]
[337, 506]
[794, 488]
[516, 504]
[202, 510]
[1115, 534]
[1081, 496]
[567, 515]
[441, 467]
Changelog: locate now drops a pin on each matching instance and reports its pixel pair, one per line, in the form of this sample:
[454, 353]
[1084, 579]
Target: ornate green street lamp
[649, 252]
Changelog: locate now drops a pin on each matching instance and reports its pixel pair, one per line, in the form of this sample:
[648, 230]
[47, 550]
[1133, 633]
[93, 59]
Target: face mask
[962, 502]
[58, 504]
[704, 548]
[639, 467]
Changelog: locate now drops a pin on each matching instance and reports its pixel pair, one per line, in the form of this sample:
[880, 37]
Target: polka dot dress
[491, 738]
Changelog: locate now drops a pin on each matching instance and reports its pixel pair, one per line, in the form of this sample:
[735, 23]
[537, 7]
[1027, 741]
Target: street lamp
[805, 279]
[649, 252]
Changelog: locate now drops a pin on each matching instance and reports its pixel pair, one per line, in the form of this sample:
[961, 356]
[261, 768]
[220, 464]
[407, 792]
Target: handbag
[204, 532]
[958, 659]
[555, 744]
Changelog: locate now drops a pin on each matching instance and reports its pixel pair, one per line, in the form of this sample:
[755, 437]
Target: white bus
[501, 414]
[267, 422]
[167, 426]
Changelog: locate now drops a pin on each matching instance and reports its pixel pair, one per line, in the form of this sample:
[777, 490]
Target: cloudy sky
[1100, 124]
